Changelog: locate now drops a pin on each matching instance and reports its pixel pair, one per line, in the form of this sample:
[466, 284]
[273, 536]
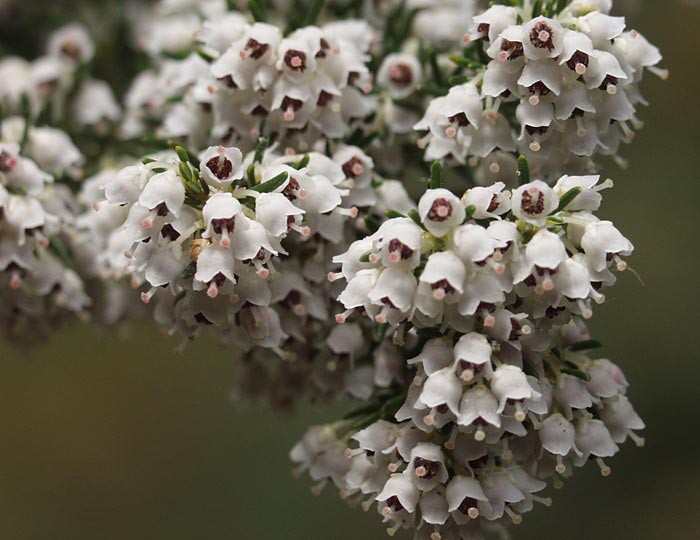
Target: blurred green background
[114, 438]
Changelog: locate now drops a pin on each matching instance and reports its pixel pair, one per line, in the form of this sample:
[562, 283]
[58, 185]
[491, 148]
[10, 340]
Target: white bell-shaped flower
[219, 214]
[393, 290]
[400, 242]
[399, 493]
[463, 494]
[436, 354]
[427, 466]
[163, 194]
[220, 166]
[489, 24]
[558, 437]
[533, 202]
[277, 214]
[544, 38]
[510, 383]
[489, 202]
[444, 273]
[472, 243]
[400, 74]
[603, 243]
[621, 419]
[479, 405]
[472, 353]
[442, 388]
[594, 439]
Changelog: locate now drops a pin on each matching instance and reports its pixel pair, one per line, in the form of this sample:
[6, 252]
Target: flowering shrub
[263, 180]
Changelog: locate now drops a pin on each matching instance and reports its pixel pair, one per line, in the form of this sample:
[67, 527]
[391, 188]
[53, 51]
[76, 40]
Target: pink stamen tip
[263, 273]
[15, 282]
[357, 169]
[340, 318]
[212, 291]
[289, 116]
[225, 242]
[145, 298]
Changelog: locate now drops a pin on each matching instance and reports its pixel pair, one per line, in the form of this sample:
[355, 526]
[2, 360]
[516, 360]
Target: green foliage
[272, 184]
[568, 197]
[523, 170]
[436, 180]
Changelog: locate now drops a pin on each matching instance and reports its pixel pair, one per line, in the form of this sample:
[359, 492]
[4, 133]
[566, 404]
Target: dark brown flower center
[324, 98]
[255, 49]
[460, 119]
[223, 223]
[578, 58]
[220, 166]
[431, 467]
[295, 60]
[397, 245]
[483, 29]
[515, 48]
[441, 210]
[401, 75]
[542, 36]
[169, 232]
[532, 201]
[290, 191]
[467, 504]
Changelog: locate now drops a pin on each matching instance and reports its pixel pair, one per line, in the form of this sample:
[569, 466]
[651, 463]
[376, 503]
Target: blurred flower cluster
[395, 203]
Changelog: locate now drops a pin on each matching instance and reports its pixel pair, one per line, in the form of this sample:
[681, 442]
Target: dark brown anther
[220, 166]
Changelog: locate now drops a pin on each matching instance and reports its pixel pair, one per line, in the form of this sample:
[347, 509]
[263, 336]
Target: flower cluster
[38, 287]
[477, 438]
[460, 265]
[306, 87]
[485, 295]
[215, 237]
[559, 89]
[54, 86]
[242, 194]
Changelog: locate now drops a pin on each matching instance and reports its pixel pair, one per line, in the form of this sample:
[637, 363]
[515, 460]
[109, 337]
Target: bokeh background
[106, 437]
